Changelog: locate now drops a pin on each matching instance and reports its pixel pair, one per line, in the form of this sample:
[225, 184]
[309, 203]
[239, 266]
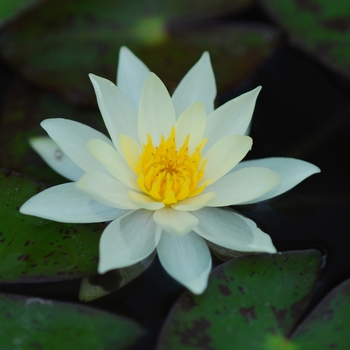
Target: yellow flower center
[168, 174]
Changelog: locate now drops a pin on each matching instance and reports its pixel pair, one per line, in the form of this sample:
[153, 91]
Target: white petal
[131, 151]
[128, 240]
[231, 230]
[242, 186]
[198, 85]
[225, 155]
[65, 203]
[292, 172]
[113, 162]
[106, 190]
[232, 118]
[156, 113]
[55, 158]
[192, 121]
[72, 138]
[131, 75]
[118, 113]
[194, 203]
[175, 222]
[187, 259]
[143, 201]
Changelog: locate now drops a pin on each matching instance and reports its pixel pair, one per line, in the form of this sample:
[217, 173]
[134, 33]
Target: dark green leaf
[250, 303]
[34, 249]
[24, 109]
[57, 46]
[320, 27]
[34, 323]
[11, 8]
[327, 327]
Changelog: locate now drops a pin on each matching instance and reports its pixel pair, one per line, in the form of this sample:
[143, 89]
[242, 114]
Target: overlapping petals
[110, 186]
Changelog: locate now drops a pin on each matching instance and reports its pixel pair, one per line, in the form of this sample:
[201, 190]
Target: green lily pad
[250, 303]
[11, 8]
[34, 249]
[34, 323]
[327, 326]
[320, 27]
[57, 46]
[23, 110]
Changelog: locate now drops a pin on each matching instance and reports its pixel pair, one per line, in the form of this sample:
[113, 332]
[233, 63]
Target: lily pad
[57, 46]
[34, 323]
[24, 108]
[250, 303]
[34, 249]
[327, 326]
[12, 8]
[319, 27]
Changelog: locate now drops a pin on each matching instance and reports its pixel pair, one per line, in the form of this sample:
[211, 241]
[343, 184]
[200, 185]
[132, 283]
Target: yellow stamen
[168, 174]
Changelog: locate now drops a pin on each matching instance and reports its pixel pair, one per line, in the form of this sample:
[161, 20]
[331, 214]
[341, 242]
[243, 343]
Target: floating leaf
[24, 109]
[34, 249]
[250, 303]
[34, 323]
[97, 286]
[11, 8]
[320, 27]
[57, 46]
[327, 326]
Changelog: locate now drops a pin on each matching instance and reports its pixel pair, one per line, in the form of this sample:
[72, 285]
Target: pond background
[303, 112]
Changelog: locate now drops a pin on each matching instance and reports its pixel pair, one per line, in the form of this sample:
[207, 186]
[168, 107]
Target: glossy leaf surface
[250, 303]
[327, 326]
[24, 109]
[11, 8]
[56, 47]
[320, 27]
[34, 249]
[35, 323]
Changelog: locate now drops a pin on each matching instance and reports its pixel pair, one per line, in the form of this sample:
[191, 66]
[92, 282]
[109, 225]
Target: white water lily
[159, 178]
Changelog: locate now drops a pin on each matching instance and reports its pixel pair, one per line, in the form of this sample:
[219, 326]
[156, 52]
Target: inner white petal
[156, 113]
[106, 190]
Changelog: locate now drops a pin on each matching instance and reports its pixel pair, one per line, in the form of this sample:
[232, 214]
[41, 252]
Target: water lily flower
[161, 178]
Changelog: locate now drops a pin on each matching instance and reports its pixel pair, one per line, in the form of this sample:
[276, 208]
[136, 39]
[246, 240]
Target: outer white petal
[118, 113]
[175, 222]
[197, 85]
[224, 155]
[231, 230]
[194, 203]
[192, 121]
[242, 186]
[187, 259]
[292, 172]
[106, 190]
[131, 75]
[128, 240]
[232, 118]
[72, 138]
[113, 162]
[156, 113]
[55, 158]
[65, 203]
